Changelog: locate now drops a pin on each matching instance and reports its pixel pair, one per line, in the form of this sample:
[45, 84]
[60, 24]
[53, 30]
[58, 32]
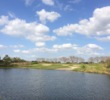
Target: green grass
[93, 68]
[50, 66]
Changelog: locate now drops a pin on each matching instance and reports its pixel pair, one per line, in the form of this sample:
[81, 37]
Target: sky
[33, 29]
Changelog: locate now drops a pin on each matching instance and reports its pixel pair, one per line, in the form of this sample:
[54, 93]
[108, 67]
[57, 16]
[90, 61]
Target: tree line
[8, 61]
[73, 59]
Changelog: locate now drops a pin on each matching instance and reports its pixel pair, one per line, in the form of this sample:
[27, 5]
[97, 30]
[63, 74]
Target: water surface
[32, 84]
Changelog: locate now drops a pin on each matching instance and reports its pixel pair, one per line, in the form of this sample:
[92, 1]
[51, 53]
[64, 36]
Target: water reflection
[23, 84]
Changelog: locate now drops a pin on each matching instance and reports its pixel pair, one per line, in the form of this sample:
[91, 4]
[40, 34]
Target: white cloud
[22, 51]
[74, 1]
[68, 8]
[86, 50]
[89, 50]
[45, 50]
[67, 49]
[107, 38]
[40, 38]
[16, 51]
[29, 2]
[2, 46]
[25, 51]
[17, 46]
[97, 25]
[65, 46]
[11, 46]
[18, 27]
[94, 46]
[4, 20]
[32, 31]
[45, 16]
[40, 44]
[34, 51]
[48, 2]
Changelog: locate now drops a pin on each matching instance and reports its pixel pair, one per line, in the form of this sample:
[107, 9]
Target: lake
[32, 84]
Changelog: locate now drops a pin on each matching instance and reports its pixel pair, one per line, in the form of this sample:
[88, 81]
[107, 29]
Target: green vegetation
[93, 68]
[102, 67]
[7, 61]
[49, 66]
[107, 63]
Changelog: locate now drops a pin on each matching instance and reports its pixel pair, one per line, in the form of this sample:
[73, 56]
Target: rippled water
[30, 84]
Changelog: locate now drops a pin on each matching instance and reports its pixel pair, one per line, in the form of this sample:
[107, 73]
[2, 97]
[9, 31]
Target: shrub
[34, 62]
[83, 66]
[107, 63]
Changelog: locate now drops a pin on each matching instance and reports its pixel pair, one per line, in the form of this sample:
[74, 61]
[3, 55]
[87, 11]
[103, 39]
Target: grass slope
[91, 68]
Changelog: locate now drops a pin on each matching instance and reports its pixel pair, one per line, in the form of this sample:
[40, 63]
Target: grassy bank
[93, 68]
[49, 66]
[90, 68]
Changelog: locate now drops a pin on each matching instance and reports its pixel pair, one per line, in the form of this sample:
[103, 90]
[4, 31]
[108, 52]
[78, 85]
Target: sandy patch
[63, 69]
[73, 67]
[69, 68]
[46, 64]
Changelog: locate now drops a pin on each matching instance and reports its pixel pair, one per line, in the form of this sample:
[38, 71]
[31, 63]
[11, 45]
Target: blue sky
[54, 28]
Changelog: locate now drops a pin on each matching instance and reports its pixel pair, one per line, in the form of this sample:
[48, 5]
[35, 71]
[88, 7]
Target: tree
[7, 60]
[72, 59]
[107, 62]
[17, 59]
[91, 60]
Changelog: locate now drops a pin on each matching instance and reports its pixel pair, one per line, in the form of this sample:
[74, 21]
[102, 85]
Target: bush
[34, 62]
[107, 63]
[83, 66]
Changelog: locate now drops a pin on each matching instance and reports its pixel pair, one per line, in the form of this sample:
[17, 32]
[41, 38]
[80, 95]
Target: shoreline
[59, 69]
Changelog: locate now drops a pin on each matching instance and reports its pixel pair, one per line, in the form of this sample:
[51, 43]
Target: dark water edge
[33, 84]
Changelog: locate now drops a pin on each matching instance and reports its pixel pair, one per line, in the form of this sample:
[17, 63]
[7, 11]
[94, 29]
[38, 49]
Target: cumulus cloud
[45, 16]
[40, 44]
[16, 51]
[22, 51]
[71, 49]
[48, 2]
[18, 27]
[97, 25]
[32, 31]
[65, 46]
[4, 20]
[25, 51]
[37, 50]
[93, 46]
[89, 50]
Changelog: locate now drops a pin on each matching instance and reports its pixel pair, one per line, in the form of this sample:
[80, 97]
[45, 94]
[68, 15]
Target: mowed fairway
[51, 66]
